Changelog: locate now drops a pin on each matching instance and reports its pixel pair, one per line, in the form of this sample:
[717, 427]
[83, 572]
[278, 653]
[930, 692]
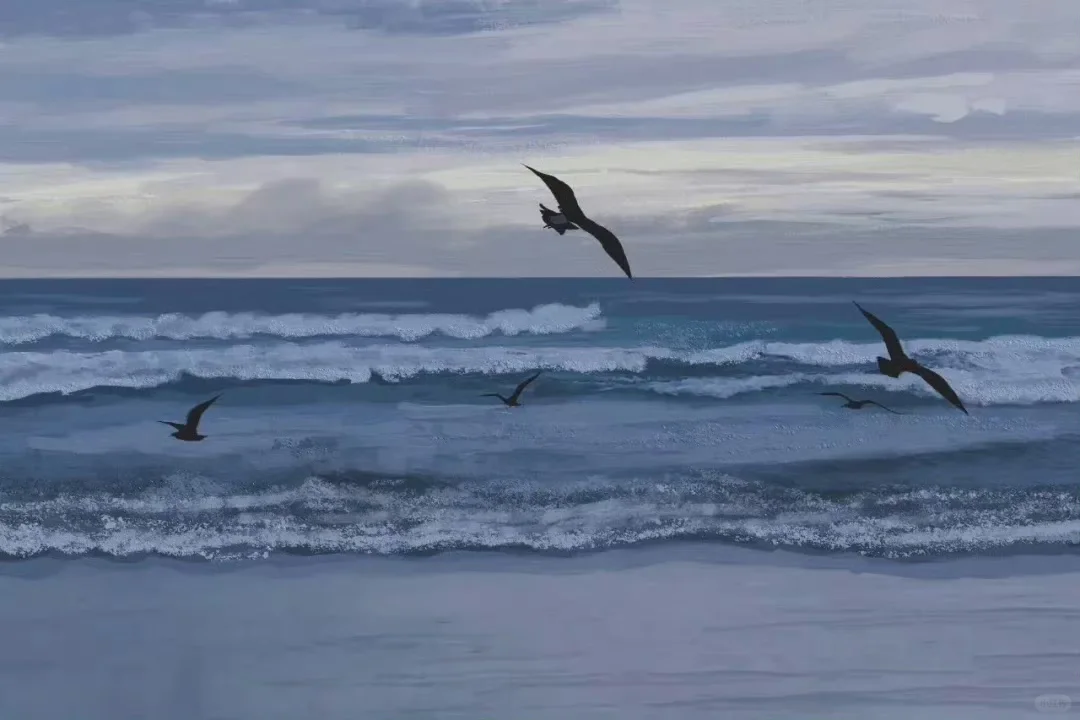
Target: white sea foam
[26, 373]
[1001, 370]
[320, 517]
[541, 320]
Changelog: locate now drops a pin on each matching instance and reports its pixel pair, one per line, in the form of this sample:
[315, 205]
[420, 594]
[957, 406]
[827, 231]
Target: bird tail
[890, 368]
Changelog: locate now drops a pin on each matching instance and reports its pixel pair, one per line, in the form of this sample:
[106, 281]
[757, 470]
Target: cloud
[82, 18]
[385, 136]
[299, 226]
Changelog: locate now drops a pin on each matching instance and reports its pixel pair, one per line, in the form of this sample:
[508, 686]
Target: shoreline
[607, 560]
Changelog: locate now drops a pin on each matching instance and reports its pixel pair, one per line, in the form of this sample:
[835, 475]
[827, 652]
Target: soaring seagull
[858, 404]
[512, 401]
[189, 431]
[898, 362]
[568, 206]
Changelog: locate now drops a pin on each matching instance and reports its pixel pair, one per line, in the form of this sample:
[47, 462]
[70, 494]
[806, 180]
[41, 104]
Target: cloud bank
[385, 137]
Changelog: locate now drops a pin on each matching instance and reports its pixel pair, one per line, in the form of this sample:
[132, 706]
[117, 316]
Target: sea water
[352, 417]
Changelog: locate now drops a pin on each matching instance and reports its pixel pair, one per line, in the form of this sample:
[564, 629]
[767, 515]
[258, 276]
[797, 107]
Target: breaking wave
[1000, 370]
[541, 320]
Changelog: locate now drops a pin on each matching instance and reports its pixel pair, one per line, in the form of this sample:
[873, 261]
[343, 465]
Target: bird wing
[524, 384]
[196, 413]
[837, 394]
[608, 241]
[563, 193]
[178, 426]
[939, 383]
[874, 402]
[892, 342]
[546, 213]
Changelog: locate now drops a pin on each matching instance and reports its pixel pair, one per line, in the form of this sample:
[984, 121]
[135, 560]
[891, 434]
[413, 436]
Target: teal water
[352, 419]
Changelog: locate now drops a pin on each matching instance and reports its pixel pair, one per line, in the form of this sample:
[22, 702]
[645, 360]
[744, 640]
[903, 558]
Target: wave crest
[541, 320]
[1002, 370]
[381, 518]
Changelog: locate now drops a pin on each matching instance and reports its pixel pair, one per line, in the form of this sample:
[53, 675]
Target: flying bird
[512, 401]
[898, 362]
[556, 221]
[572, 212]
[858, 404]
[189, 431]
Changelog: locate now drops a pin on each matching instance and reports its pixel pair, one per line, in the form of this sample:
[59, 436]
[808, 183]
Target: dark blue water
[352, 418]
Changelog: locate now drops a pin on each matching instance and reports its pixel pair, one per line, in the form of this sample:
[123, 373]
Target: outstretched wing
[196, 413]
[524, 384]
[892, 342]
[873, 402]
[546, 213]
[938, 383]
[609, 242]
[178, 426]
[837, 394]
[563, 193]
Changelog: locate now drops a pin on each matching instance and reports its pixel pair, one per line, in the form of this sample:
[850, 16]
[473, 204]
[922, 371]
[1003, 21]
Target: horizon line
[736, 276]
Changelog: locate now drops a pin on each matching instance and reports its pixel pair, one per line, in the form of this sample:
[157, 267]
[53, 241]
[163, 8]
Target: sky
[310, 138]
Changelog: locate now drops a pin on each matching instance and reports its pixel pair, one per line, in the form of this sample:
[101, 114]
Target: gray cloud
[410, 226]
[93, 18]
[834, 136]
[72, 90]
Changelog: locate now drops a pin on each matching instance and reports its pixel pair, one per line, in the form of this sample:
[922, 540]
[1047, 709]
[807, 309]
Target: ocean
[351, 417]
[673, 524]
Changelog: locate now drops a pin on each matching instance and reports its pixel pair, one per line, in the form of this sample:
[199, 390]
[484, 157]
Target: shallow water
[638, 634]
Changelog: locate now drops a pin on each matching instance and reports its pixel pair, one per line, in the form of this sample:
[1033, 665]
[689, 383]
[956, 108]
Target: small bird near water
[512, 401]
[858, 404]
[189, 431]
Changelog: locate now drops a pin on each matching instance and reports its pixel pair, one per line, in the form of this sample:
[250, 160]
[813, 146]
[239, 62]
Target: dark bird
[189, 431]
[556, 221]
[572, 212]
[512, 401]
[898, 362]
[858, 404]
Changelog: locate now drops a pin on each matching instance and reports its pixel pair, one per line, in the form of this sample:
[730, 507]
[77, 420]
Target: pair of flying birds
[188, 431]
[896, 365]
[893, 366]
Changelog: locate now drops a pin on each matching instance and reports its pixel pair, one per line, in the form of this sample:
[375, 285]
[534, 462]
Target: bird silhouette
[898, 362]
[858, 404]
[568, 206]
[512, 401]
[189, 431]
[556, 221]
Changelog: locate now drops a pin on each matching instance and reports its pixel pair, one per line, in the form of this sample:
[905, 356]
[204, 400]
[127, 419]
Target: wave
[24, 374]
[541, 320]
[980, 389]
[393, 516]
[1003, 370]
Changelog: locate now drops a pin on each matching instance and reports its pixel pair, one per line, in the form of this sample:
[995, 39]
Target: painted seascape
[539, 360]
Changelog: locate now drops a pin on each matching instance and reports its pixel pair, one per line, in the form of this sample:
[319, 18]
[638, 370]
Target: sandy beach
[700, 633]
